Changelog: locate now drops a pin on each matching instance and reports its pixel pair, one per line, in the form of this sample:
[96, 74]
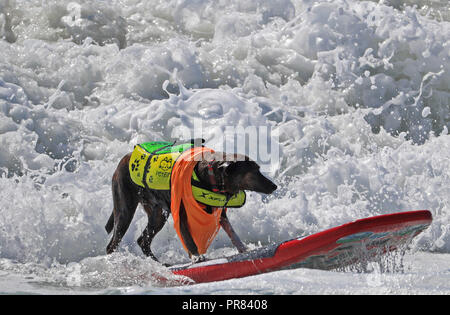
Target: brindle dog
[231, 171]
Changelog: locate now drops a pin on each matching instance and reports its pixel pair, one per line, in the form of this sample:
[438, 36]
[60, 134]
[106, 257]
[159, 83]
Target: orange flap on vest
[203, 226]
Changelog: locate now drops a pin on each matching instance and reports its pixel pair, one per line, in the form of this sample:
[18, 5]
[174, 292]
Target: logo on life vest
[166, 164]
[210, 197]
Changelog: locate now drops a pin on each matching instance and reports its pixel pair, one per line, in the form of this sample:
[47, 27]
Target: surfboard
[338, 247]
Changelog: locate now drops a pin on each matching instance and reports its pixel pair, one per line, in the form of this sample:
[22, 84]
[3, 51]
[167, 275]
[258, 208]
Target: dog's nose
[270, 187]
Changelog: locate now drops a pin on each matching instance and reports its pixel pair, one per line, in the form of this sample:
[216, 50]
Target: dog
[233, 172]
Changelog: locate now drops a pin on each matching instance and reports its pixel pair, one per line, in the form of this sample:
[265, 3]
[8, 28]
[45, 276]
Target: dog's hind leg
[125, 204]
[123, 214]
[156, 220]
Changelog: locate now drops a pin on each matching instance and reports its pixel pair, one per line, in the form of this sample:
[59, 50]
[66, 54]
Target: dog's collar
[213, 182]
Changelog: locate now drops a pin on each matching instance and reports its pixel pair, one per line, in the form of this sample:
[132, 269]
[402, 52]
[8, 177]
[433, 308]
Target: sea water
[354, 95]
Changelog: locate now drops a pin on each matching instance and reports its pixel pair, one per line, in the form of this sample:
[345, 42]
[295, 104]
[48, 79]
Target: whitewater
[355, 94]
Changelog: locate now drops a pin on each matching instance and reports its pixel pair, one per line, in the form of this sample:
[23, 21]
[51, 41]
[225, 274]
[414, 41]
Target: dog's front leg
[226, 225]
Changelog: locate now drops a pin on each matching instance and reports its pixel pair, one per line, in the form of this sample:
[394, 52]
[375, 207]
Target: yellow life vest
[151, 166]
[152, 170]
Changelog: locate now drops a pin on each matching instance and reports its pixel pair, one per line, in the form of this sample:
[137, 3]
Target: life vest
[151, 166]
[165, 166]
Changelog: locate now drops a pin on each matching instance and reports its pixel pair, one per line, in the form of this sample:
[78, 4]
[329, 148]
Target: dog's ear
[235, 164]
[230, 167]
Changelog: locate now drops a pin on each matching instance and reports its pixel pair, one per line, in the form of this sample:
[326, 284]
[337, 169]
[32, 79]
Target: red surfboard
[330, 249]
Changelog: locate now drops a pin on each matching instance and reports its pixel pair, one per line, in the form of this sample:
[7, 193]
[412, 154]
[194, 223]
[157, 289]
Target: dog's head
[235, 172]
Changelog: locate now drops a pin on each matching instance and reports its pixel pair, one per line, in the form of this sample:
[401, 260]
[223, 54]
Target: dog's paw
[197, 259]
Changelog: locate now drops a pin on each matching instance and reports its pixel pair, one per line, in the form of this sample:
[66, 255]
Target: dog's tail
[110, 224]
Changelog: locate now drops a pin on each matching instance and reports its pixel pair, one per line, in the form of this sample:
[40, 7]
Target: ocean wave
[356, 94]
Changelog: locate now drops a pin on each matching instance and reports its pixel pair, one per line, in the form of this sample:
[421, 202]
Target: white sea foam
[356, 92]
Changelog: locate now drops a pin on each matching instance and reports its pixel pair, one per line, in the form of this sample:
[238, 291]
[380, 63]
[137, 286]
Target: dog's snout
[273, 187]
[266, 185]
[270, 187]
